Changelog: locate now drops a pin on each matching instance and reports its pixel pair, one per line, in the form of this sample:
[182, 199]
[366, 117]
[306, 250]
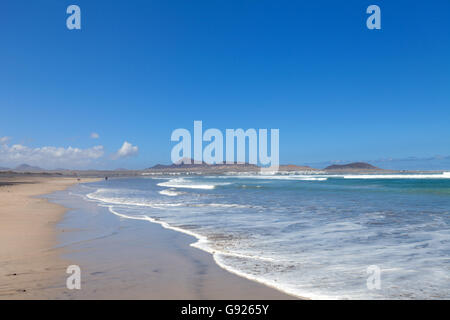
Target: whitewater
[312, 236]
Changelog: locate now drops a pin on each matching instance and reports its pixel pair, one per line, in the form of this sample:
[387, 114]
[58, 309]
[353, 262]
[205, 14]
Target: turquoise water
[310, 235]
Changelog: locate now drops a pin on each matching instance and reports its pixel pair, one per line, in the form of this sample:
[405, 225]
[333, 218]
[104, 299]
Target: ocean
[314, 236]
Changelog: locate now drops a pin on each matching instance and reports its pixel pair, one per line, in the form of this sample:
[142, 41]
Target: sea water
[313, 236]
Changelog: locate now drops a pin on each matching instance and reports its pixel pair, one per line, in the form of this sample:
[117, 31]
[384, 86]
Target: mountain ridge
[353, 166]
[27, 167]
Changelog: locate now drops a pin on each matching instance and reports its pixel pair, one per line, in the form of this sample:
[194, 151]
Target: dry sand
[164, 268]
[30, 267]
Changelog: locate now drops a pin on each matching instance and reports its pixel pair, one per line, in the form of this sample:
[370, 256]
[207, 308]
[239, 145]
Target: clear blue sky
[139, 69]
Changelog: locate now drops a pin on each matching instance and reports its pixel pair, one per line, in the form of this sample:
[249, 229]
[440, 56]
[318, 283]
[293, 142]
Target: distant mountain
[4, 169]
[27, 168]
[352, 166]
[178, 166]
[187, 165]
[294, 167]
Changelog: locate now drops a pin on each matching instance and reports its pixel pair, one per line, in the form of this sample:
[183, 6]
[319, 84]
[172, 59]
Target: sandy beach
[144, 261]
[30, 266]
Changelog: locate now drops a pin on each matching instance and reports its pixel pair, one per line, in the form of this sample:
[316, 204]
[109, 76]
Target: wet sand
[30, 266]
[119, 258]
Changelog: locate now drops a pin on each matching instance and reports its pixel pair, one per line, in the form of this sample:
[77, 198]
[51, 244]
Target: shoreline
[30, 264]
[197, 244]
[129, 259]
[37, 271]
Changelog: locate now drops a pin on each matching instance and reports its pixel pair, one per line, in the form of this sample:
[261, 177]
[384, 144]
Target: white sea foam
[295, 177]
[324, 177]
[224, 205]
[170, 192]
[130, 202]
[204, 244]
[279, 177]
[271, 283]
[183, 183]
[201, 240]
[201, 243]
[96, 196]
[263, 257]
[444, 175]
[313, 179]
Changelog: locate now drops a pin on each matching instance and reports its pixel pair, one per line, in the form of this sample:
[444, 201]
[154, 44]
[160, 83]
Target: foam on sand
[204, 244]
[301, 238]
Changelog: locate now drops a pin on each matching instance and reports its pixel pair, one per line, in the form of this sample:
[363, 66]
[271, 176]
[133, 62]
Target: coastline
[30, 265]
[146, 261]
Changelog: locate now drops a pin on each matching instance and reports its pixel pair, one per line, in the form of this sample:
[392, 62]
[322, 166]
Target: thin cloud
[95, 135]
[127, 150]
[48, 156]
[4, 140]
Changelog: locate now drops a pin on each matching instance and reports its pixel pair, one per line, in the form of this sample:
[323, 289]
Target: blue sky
[137, 70]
